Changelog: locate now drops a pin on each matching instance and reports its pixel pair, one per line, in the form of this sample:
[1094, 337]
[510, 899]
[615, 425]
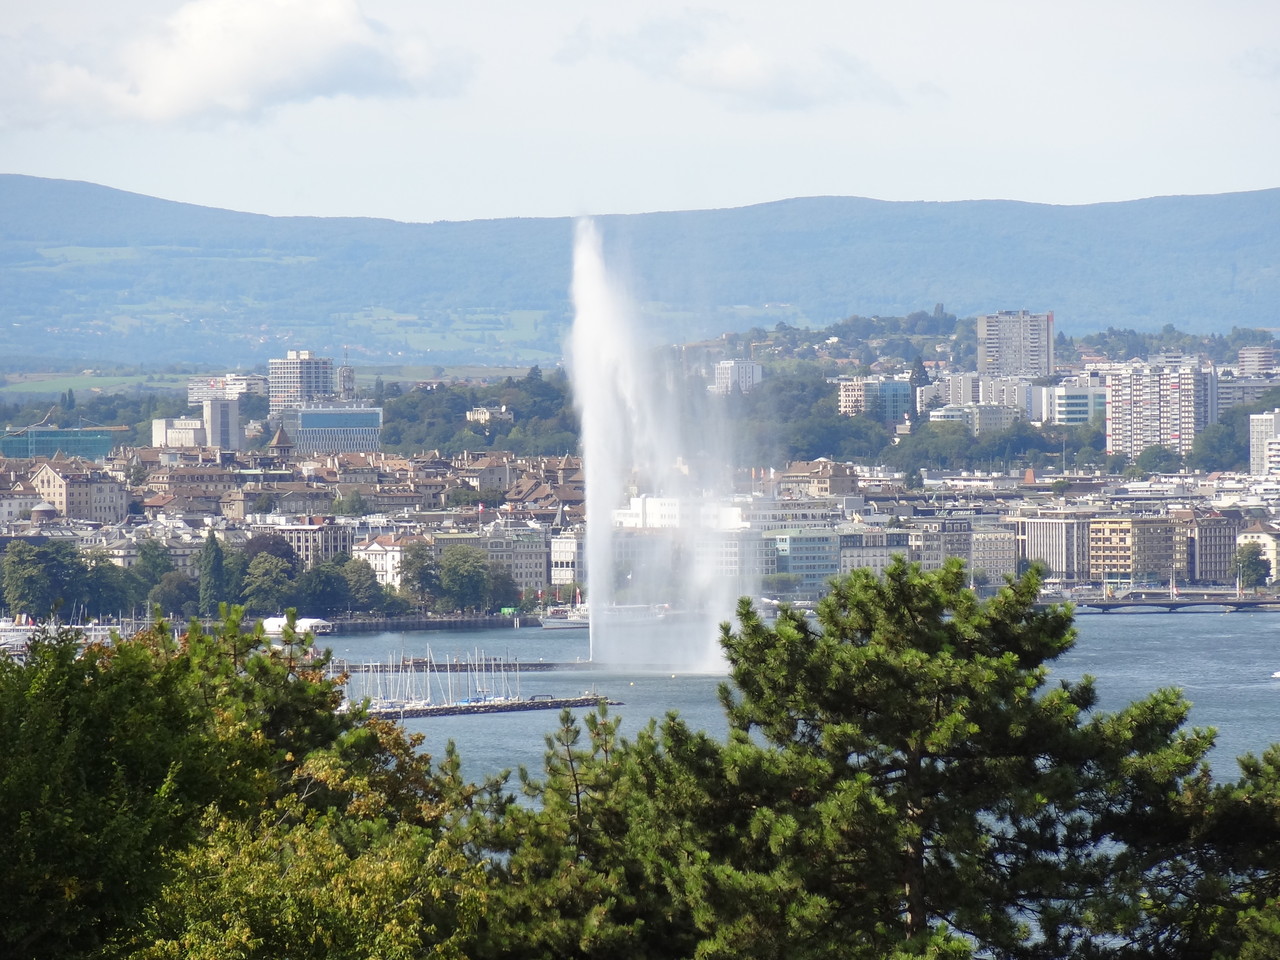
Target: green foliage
[214, 587]
[1253, 568]
[912, 740]
[43, 579]
[464, 578]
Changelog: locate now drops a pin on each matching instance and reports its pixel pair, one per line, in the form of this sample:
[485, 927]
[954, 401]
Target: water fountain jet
[654, 479]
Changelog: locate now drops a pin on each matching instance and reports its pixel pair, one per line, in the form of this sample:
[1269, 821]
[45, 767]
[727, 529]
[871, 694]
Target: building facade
[1015, 343]
[1159, 404]
[299, 377]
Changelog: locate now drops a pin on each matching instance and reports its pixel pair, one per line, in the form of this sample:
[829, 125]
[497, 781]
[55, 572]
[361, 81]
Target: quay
[415, 710]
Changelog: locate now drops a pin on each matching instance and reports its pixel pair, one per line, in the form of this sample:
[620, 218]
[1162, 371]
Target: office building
[1015, 343]
[300, 377]
[333, 427]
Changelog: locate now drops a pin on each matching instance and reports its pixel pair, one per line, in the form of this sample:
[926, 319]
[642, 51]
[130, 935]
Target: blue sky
[423, 111]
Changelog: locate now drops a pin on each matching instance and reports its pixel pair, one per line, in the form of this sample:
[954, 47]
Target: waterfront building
[1127, 550]
[1205, 545]
[1015, 343]
[870, 547]
[385, 553]
[1267, 537]
[812, 555]
[524, 552]
[993, 551]
[568, 558]
[1060, 542]
[314, 539]
[298, 377]
[935, 539]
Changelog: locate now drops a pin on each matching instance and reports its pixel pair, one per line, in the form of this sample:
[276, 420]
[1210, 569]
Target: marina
[1224, 664]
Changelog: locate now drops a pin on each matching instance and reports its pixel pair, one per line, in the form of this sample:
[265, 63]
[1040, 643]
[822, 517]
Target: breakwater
[460, 708]
[407, 624]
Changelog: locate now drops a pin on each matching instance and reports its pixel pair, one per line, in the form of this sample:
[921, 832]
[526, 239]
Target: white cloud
[708, 53]
[241, 57]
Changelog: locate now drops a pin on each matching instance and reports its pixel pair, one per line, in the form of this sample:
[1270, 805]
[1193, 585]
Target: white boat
[274, 626]
[567, 618]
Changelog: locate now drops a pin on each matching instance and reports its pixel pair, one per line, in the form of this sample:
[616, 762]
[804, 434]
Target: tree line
[900, 779]
[265, 576]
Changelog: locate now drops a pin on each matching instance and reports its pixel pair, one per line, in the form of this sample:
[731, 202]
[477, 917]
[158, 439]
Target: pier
[410, 711]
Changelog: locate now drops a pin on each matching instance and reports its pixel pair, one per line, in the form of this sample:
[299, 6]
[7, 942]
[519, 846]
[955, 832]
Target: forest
[899, 779]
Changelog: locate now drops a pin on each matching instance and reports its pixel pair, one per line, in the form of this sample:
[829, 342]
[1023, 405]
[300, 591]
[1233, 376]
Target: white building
[229, 387]
[178, 432]
[299, 377]
[1263, 429]
[740, 375]
[1166, 402]
[979, 418]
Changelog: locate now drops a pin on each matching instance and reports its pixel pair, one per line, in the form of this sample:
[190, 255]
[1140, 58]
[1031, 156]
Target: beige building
[1126, 550]
[314, 539]
[80, 490]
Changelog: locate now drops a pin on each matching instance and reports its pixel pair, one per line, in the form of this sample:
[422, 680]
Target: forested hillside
[92, 273]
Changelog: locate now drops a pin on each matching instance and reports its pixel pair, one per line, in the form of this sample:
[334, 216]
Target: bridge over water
[1175, 604]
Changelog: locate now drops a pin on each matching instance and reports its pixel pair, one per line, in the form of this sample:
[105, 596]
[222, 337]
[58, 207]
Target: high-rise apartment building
[1263, 428]
[1015, 343]
[300, 377]
[888, 399]
[1256, 361]
[1167, 402]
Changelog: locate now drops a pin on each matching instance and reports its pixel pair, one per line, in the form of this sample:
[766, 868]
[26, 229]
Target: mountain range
[93, 274]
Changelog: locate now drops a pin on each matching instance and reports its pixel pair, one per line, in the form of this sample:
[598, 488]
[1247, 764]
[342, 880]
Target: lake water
[1222, 661]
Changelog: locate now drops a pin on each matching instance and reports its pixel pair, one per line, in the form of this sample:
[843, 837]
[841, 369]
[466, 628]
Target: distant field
[84, 385]
[52, 384]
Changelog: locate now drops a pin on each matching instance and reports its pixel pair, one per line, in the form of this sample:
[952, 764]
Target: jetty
[408, 711]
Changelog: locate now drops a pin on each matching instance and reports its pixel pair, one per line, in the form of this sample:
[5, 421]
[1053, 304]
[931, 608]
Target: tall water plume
[655, 472]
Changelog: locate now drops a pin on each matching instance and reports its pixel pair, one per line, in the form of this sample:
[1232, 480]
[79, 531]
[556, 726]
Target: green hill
[96, 274]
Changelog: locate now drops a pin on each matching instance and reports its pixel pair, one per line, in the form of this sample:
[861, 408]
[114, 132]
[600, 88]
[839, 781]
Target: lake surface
[1222, 661]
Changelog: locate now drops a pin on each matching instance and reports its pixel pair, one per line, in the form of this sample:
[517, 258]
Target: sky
[421, 111]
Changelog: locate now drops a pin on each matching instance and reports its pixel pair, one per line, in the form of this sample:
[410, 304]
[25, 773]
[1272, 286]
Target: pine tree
[213, 578]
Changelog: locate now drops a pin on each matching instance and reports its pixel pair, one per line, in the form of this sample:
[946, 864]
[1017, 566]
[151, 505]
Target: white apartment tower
[1015, 343]
[1263, 429]
[1167, 403]
[300, 377]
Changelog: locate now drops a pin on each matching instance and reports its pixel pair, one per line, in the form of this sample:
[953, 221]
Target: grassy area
[52, 384]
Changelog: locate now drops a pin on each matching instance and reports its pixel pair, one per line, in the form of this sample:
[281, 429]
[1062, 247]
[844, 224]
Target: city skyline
[390, 109]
